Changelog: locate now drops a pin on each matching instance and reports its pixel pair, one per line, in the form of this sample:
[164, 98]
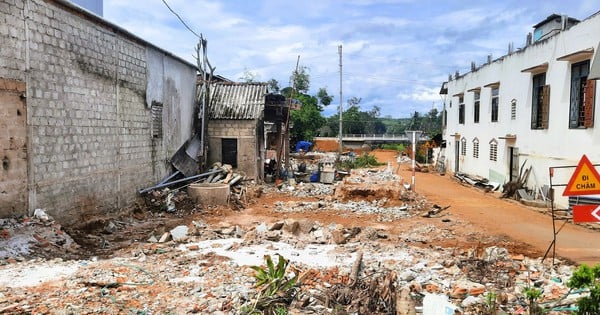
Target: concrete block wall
[13, 148]
[247, 151]
[12, 49]
[88, 121]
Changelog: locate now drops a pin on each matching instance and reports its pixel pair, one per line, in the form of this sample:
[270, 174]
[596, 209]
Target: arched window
[493, 150]
[476, 148]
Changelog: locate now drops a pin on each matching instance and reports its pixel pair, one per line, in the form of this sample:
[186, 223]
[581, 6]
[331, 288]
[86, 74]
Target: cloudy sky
[395, 53]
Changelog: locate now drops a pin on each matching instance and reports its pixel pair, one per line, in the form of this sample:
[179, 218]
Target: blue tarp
[303, 145]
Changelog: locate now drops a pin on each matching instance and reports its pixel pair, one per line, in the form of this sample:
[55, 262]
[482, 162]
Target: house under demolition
[89, 111]
[247, 126]
[93, 114]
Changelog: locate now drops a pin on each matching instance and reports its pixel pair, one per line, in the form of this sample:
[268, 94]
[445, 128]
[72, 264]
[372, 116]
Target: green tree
[273, 86]
[415, 122]
[351, 120]
[301, 80]
[324, 97]
[373, 124]
[248, 76]
[307, 120]
[586, 277]
[356, 121]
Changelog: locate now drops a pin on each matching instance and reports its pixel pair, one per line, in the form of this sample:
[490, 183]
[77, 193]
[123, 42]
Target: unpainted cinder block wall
[90, 144]
[13, 148]
[245, 131]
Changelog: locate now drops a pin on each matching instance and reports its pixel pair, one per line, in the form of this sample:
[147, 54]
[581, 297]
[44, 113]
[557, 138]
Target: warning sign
[586, 213]
[585, 180]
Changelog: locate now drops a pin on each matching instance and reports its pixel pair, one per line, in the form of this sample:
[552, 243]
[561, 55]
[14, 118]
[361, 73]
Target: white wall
[542, 148]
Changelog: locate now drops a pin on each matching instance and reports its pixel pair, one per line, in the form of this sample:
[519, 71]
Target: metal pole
[145, 190]
[414, 150]
[340, 109]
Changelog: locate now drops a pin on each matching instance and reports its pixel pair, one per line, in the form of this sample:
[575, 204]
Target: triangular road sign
[585, 180]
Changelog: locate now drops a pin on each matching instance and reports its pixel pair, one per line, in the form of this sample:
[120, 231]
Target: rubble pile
[205, 269]
[193, 264]
[344, 209]
[172, 201]
[301, 189]
[39, 234]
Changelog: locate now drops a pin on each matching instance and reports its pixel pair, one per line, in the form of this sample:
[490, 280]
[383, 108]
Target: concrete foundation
[209, 194]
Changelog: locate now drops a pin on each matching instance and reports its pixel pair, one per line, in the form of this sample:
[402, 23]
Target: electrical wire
[180, 19]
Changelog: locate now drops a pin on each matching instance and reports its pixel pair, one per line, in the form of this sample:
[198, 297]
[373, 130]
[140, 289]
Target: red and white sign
[586, 213]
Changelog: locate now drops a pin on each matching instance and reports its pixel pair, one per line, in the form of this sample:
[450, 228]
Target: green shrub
[533, 295]
[586, 277]
[393, 146]
[363, 161]
[275, 288]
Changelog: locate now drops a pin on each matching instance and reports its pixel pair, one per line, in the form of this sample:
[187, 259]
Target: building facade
[537, 106]
[90, 113]
[236, 135]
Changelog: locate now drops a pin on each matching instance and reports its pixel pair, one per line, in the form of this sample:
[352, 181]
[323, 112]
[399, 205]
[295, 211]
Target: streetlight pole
[415, 136]
[340, 149]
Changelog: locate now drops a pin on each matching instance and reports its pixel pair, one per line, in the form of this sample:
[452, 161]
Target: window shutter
[534, 110]
[157, 113]
[590, 90]
[574, 110]
[545, 106]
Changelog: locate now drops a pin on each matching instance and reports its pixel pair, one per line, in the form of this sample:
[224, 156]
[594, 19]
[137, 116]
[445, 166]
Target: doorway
[229, 152]
[456, 156]
[514, 163]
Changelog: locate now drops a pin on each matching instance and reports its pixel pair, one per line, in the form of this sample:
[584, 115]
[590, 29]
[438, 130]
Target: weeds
[532, 295]
[362, 161]
[276, 290]
[490, 303]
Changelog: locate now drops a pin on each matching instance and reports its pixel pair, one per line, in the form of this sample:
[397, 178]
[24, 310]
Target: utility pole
[340, 130]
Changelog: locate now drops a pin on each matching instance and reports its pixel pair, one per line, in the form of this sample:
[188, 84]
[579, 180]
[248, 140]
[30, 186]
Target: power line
[180, 19]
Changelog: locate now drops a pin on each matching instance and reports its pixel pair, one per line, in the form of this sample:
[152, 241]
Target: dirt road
[485, 211]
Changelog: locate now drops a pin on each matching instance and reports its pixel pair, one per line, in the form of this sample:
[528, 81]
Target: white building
[537, 105]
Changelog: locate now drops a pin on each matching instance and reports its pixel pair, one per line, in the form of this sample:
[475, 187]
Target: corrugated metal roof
[237, 101]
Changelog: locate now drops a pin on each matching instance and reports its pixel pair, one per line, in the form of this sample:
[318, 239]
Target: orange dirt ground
[478, 219]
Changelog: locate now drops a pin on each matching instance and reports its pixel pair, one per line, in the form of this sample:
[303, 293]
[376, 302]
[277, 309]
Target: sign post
[415, 138]
[584, 181]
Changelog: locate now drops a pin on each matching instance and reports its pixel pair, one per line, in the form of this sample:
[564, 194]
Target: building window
[513, 109]
[476, 148]
[494, 150]
[445, 118]
[581, 113]
[461, 109]
[540, 105]
[463, 146]
[476, 96]
[156, 110]
[495, 101]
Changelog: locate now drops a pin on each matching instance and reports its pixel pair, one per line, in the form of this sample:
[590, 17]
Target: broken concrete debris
[196, 266]
[179, 233]
[19, 238]
[477, 181]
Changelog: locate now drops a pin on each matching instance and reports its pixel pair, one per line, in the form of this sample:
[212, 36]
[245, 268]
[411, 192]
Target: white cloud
[396, 53]
[421, 94]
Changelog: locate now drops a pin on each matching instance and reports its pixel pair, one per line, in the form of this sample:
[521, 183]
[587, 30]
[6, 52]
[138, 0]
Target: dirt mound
[326, 145]
[368, 191]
